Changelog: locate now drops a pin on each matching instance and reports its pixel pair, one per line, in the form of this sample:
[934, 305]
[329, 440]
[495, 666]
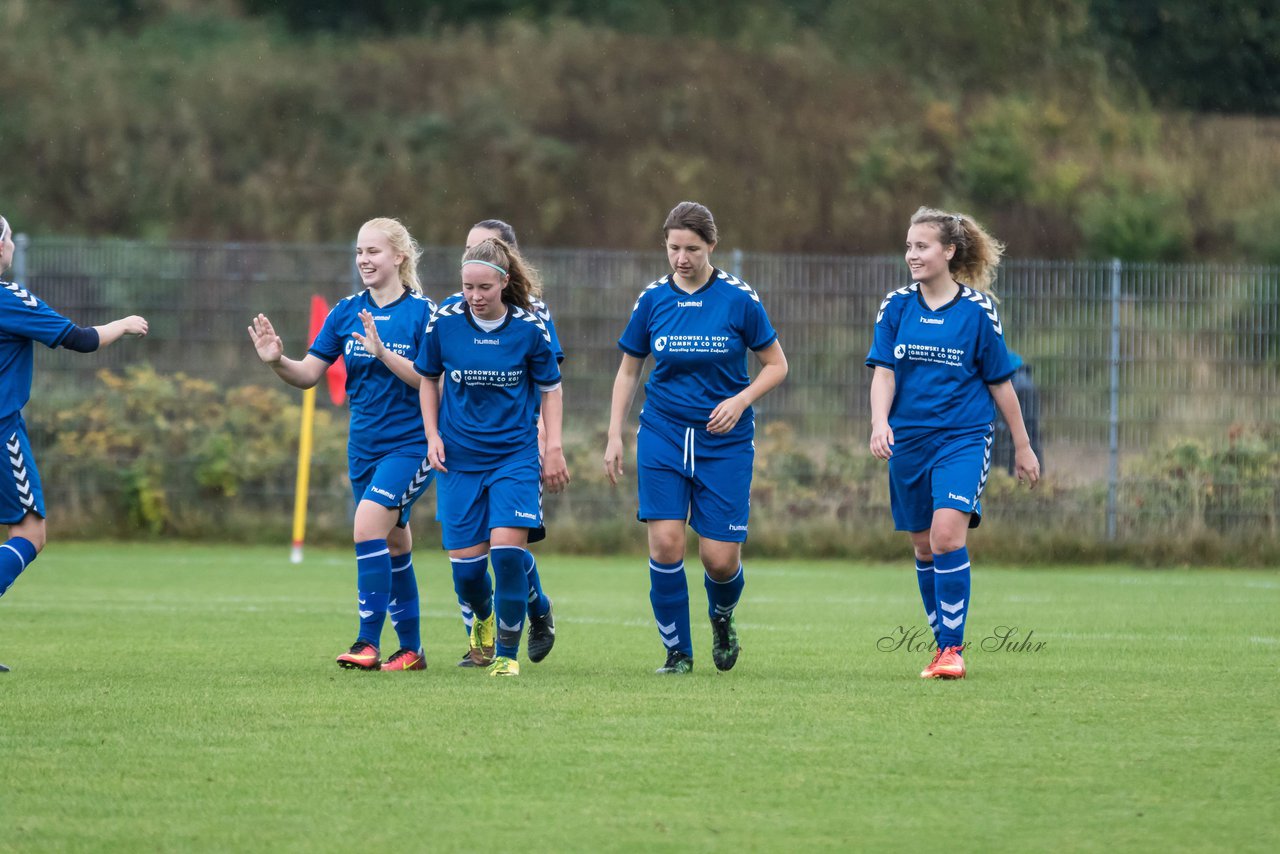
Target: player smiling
[377, 331]
[940, 361]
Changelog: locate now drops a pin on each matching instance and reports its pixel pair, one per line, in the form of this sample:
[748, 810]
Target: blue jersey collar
[368, 300]
[671, 283]
[506, 321]
[943, 307]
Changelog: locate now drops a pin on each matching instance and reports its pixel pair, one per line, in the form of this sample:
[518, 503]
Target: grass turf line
[177, 697]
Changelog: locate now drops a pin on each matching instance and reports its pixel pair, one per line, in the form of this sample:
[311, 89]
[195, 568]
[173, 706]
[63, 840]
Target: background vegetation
[1075, 127]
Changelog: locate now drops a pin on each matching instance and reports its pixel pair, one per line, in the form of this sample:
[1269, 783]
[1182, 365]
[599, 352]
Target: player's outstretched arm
[624, 392]
[270, 349]
[1025, 464]
[132, 326]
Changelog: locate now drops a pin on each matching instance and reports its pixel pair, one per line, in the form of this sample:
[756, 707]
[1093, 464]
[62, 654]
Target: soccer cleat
[503, 666]
[361, 656]
[677, 662]
[950, 664]
[927, 673]
[3, 669]
[542, 634]
[406, 659]
[466, 659]
[482, 637]
[724, 642]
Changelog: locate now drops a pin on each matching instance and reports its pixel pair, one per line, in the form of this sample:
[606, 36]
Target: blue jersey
[699, 344]
[942, 360]
[385, 412]
[492, 384]
[24, 318]
[539, 308]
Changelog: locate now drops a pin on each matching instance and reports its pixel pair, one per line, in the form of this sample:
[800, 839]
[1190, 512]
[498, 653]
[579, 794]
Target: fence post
[736, 256]
[1113, 469]
[20, 244]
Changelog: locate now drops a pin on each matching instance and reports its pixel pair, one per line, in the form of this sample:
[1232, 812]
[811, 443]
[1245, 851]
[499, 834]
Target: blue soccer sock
[373, 588]
[925, 578]
[404, 607]
[16, 554]
[669, 594]
[723, 596]
[951, 578]
[510, 599]
[471, 583]
[539, 604]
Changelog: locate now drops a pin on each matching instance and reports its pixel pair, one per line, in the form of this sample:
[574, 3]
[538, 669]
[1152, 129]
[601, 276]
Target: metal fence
[1126, 361]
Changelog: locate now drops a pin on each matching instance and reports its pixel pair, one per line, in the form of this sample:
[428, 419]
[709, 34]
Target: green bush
[150, 454]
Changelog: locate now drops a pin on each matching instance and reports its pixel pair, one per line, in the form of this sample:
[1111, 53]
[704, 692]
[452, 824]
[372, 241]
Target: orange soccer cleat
[950, 664]
[928, 673]
[406, 659]
[361, 656]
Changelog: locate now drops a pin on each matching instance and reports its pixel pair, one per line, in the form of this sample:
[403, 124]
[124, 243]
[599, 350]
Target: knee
[32, 529]
[667, 547]
[943, 542]
[721, 567]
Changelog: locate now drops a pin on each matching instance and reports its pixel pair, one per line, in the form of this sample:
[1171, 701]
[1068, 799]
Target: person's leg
[404, 607]
[373, 583]
[664, 497]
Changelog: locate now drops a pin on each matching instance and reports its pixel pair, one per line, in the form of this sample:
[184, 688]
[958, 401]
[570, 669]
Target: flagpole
[301, 488]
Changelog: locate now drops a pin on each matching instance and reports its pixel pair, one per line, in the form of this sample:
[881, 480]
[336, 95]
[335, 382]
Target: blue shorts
[20, 490]
[395, 481]
[470, 504]
[688, 473]
[935, 470]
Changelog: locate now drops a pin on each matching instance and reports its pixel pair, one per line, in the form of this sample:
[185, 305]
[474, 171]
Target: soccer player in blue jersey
[940, 362]
[542, 627]
[695, 448]
[490, 368]
[377, 331]
[25, 319]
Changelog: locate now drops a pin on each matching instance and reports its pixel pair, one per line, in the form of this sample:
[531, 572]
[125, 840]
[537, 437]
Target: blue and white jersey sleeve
[888, 316]
[635, 340]
[331, 338]
[995, 363]
[26, 316]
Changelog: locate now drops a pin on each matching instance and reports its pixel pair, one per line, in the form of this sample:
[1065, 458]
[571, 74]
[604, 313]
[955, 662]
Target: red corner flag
[337, 373]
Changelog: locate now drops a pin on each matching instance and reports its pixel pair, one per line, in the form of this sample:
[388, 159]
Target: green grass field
[184, 698]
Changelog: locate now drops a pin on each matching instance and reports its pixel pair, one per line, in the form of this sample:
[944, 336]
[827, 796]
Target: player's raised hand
[371, 340]
[265, 340]
[133, 326]
[613, 460]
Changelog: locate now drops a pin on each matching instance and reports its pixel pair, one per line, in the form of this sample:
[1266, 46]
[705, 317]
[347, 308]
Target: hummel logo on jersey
[382, 492]
[737, 527]
[486, 341]
[955, 497]
[524, 515]
[935, 321]
[692, 303]
[382, 317]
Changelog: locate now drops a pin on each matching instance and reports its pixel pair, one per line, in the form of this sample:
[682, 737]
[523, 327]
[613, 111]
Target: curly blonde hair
[977, 253]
